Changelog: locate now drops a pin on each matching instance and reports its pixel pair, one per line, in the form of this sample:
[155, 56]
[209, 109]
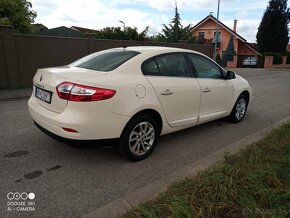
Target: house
[83, 30]
[61, 31]
[205, 32]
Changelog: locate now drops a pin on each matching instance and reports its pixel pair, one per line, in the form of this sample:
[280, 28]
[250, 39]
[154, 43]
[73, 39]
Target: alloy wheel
[141, 138]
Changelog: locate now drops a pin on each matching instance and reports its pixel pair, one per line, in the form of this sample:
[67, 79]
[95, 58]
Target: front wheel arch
[247, 94]
[232, 117]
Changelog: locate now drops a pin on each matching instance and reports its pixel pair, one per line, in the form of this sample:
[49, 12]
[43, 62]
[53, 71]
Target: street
[72, 181]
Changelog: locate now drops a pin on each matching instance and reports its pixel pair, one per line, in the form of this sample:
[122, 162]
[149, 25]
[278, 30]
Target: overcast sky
[96, 14]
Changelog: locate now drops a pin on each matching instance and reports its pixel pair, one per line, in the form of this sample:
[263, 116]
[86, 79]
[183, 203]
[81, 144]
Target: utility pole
[216, 31]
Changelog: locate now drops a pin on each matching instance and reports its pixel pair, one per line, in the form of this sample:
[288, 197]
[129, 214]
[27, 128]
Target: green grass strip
[252, 183]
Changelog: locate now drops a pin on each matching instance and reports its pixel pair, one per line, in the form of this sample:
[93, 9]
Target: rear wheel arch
[151, 112]
[134, 142]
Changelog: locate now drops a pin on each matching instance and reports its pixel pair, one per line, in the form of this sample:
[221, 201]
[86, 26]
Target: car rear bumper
[91, 120]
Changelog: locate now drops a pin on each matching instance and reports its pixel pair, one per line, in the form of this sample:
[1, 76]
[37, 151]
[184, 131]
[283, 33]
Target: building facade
[205, 32]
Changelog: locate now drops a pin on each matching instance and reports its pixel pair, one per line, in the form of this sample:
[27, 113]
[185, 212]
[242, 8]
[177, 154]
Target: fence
[269, 63]
[22, 55]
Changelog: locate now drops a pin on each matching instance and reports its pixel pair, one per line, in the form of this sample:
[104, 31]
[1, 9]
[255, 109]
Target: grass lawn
[252, 183]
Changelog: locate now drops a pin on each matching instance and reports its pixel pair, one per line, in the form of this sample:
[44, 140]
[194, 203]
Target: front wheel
[139, 137]
[240, 108]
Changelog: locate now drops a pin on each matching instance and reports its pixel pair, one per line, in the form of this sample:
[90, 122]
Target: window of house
[219, 36]
[205, 68]
[201, 35]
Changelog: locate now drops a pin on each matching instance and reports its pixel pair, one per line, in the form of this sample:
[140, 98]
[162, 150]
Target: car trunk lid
[46, 80]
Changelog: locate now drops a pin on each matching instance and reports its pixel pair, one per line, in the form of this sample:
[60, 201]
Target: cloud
[166, 5]
[97, 14]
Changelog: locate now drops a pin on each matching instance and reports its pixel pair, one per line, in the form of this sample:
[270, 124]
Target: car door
[216, 90]
[177, 90]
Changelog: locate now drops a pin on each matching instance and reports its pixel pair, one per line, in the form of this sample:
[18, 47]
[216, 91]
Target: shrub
[287, 54]
[218, 57]
[261, 62]
[277, 57]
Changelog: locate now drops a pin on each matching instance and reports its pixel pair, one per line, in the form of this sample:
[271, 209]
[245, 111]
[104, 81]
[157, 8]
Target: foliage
[288, 57]
[272, 33]
[230, 51]
[218, 57]
[277, 57]
[38, 27]
[18, 13]
[252, 183]
[175, 31]
[116, 33]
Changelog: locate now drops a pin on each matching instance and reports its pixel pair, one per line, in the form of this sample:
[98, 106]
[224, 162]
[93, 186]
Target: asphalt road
[70, 182]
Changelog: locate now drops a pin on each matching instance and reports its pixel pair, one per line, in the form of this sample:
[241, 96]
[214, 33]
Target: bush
[218, 57]
[261, 62]
[277, 57]
[287, 54]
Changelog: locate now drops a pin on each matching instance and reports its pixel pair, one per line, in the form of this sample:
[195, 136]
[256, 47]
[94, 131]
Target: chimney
[235, 25]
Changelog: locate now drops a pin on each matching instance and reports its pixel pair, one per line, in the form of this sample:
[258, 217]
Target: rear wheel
[139, 137]
[240, 108]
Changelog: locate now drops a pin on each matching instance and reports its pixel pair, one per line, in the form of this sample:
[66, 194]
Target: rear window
[105, 60]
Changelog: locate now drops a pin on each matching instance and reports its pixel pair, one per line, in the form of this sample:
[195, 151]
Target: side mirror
[231, 75]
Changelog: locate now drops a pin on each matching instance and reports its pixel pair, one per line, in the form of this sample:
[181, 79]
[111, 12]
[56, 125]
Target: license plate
[43, 95]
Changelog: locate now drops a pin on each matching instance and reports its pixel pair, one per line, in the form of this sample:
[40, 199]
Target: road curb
[151, 190]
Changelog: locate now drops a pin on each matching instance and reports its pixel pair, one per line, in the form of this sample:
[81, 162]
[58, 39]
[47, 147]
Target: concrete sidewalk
[12, 94]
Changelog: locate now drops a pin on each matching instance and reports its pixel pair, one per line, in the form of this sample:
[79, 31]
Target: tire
[239, 110]
[139, 137]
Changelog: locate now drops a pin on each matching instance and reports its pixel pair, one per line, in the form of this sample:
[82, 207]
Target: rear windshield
[105, 60]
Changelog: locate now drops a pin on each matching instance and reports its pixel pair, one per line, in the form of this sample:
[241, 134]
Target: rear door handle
[167, 92]
[206, 90]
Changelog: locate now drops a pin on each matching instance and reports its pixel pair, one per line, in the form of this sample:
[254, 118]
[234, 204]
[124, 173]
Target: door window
[205, 68]
[150, 68]
[172, 65]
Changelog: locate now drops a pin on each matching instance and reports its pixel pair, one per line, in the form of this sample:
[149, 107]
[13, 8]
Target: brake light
[75, 92]
[69, 130]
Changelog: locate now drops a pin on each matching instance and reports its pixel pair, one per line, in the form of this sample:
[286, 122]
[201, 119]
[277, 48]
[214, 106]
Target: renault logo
[41, 77]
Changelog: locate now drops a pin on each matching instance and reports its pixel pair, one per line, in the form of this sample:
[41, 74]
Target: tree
[272, 33]
[175, 30]
[37, 27]
[17, 13]
[116, 33]
[230, 51]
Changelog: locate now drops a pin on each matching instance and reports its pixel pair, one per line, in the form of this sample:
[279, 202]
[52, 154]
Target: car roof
[154, 49]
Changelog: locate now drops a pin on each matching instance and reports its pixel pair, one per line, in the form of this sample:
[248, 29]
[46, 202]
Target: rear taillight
[75, 92]
[69, 130]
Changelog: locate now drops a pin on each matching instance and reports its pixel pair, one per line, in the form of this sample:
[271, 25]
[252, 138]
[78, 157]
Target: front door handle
[206, 90]
[167, 92]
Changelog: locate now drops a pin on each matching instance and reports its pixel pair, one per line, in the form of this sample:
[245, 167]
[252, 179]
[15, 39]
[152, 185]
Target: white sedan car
[135, 94]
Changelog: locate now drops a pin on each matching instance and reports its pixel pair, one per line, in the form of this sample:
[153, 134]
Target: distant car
[135, 94]
[250, 61]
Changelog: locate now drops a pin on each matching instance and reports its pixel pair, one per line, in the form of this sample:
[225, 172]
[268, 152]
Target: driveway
[70, 182]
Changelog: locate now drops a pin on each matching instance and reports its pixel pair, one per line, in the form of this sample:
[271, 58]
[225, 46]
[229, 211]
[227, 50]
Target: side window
[205, 68]
[150, 68]
[173, 65]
